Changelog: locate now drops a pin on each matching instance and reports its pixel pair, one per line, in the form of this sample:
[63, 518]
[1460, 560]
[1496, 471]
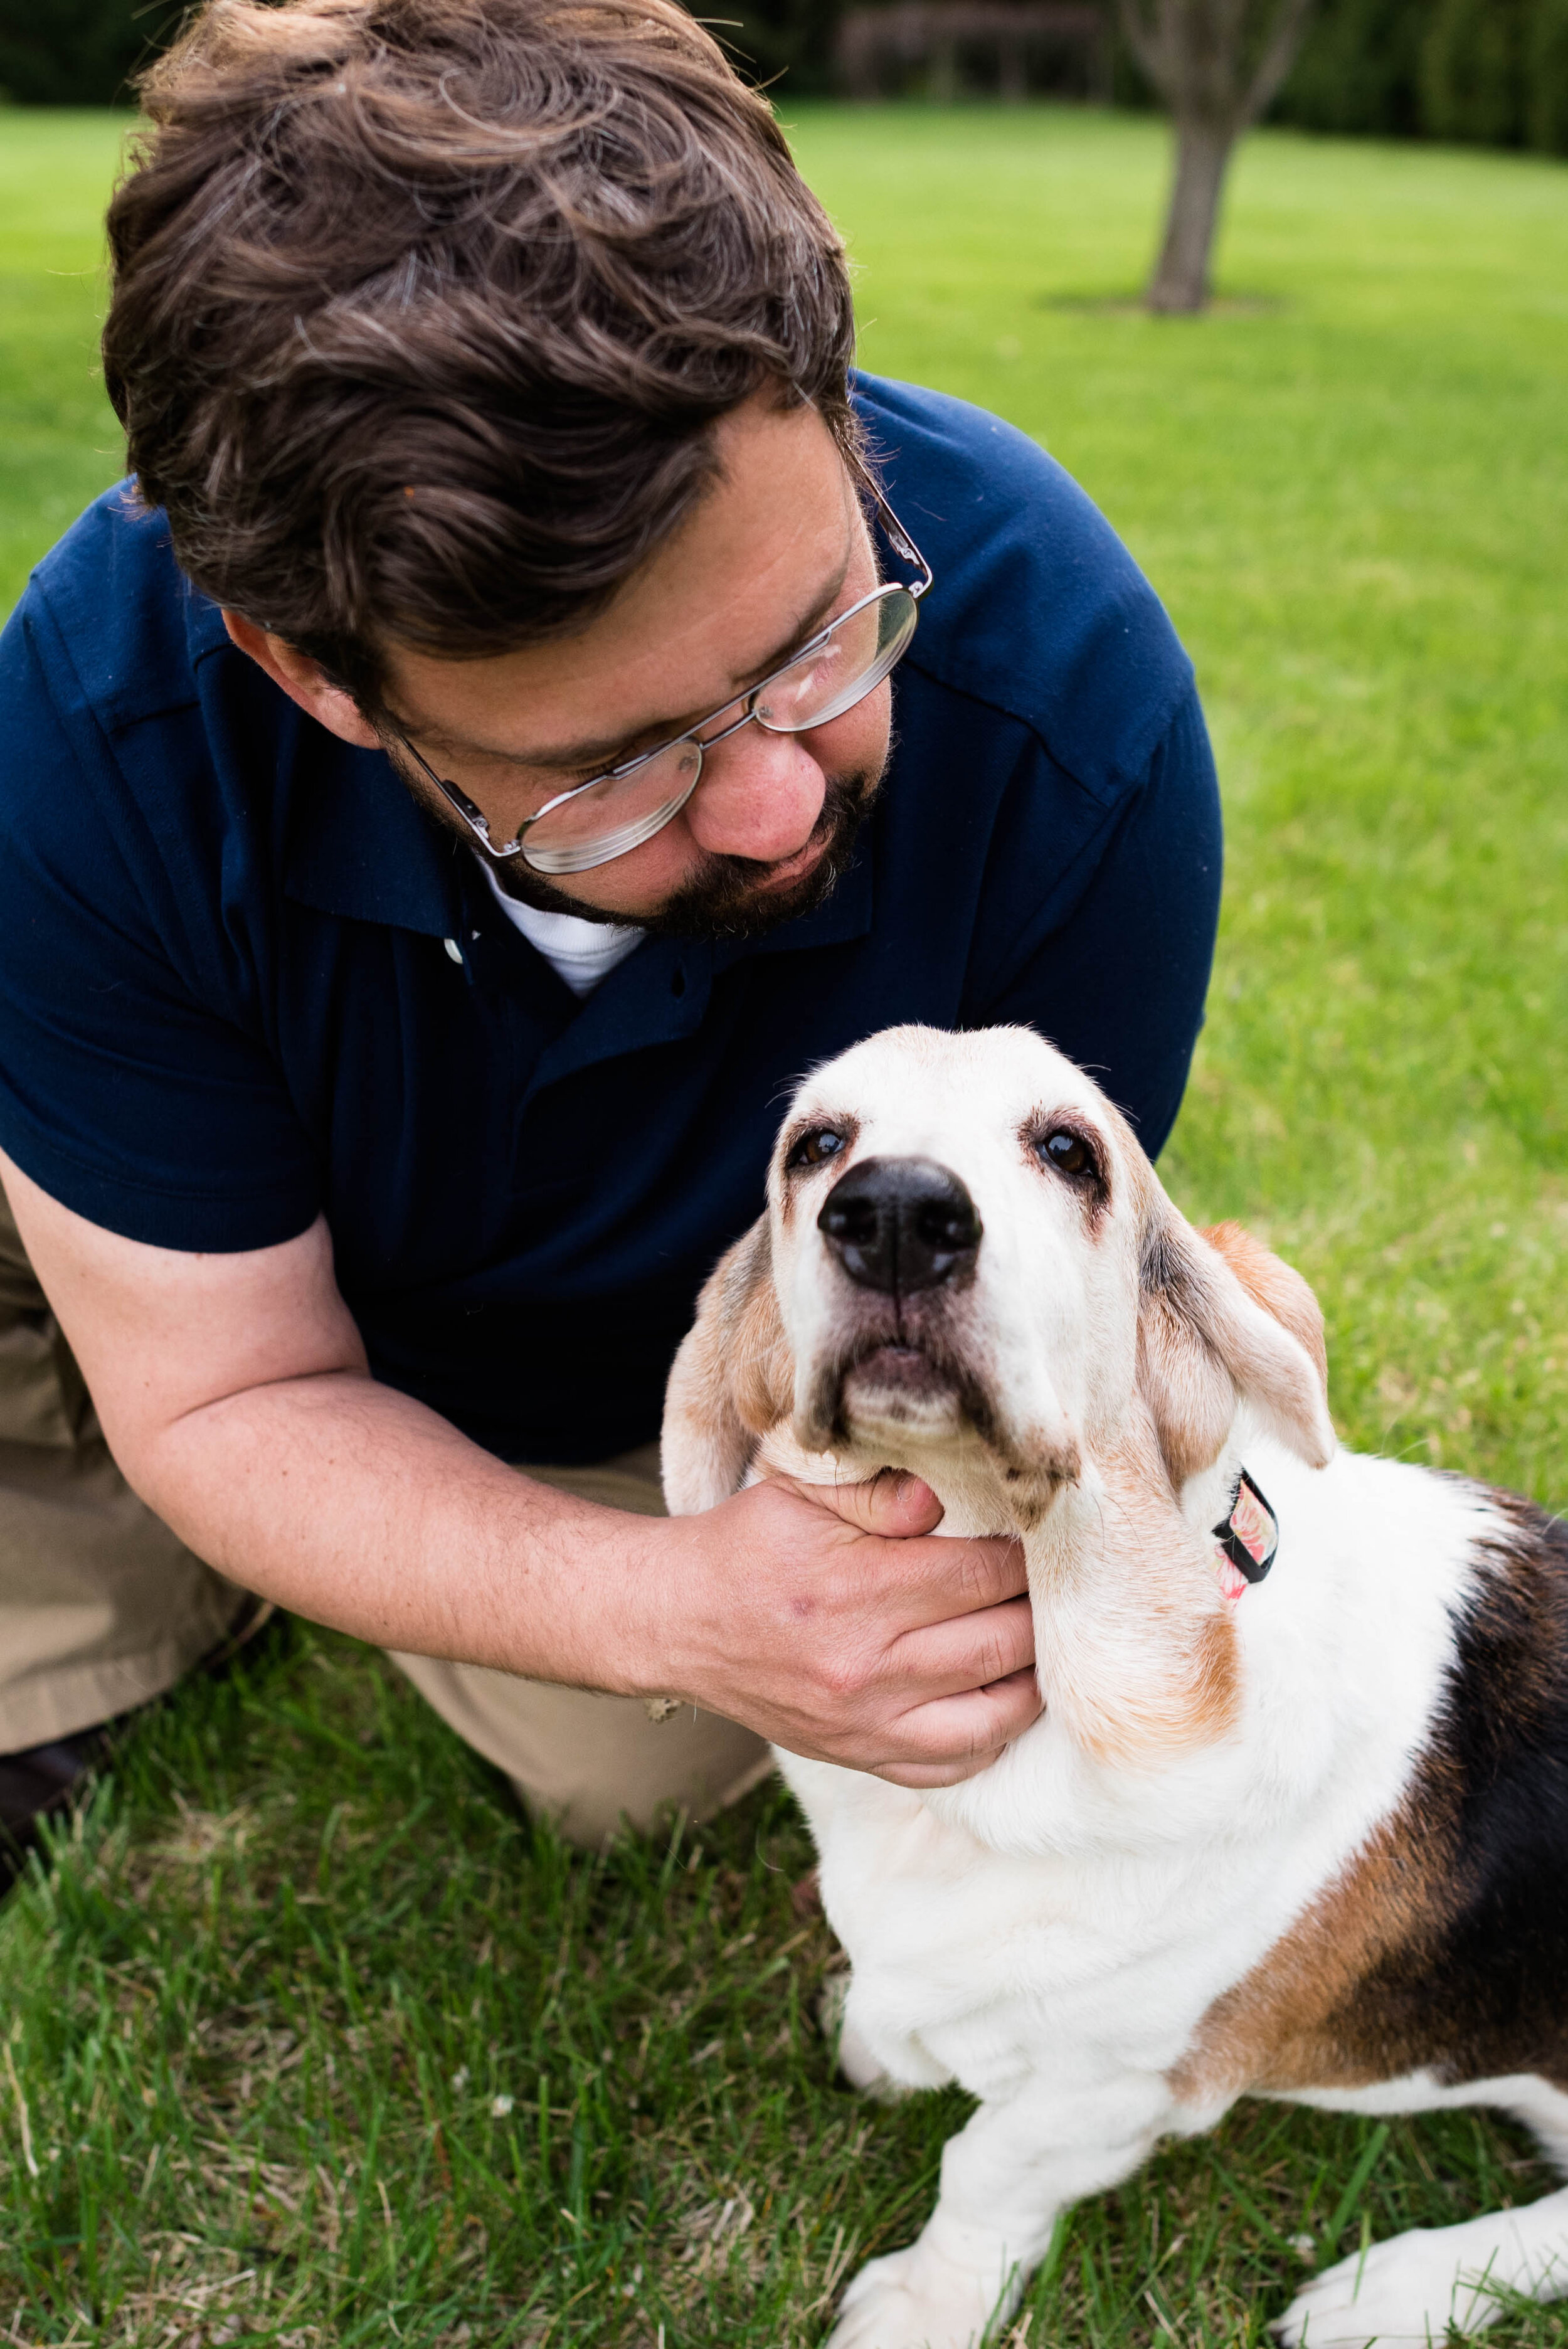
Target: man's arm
[235, 1393]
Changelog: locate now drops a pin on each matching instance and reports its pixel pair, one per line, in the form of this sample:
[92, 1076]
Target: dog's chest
[979, 1958]
[982, 1967]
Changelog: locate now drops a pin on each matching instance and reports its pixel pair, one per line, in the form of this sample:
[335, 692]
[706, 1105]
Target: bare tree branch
[1143, 39]
[1217, 64]
[1278, 56]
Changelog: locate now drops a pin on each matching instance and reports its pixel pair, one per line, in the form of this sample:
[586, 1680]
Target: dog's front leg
[1005, 2180]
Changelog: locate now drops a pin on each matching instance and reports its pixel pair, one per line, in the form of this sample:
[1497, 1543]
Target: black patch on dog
[1486, 1994]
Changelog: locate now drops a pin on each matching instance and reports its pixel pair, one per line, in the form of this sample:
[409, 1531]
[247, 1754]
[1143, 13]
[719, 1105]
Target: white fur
[1051, 1932]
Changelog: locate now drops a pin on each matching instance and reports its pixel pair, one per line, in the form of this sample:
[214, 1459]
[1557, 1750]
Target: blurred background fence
[1491, 72]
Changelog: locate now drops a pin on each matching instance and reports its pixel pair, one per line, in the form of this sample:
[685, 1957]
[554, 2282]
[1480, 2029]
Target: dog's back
[1442, 1949]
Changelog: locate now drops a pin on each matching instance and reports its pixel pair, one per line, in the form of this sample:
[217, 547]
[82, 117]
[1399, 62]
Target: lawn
[314, 2042]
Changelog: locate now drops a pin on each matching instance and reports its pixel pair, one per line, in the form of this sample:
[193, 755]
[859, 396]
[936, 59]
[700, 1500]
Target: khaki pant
[102, 1608]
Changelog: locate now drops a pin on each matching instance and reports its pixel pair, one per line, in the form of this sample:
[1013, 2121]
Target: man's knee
[588, 1762]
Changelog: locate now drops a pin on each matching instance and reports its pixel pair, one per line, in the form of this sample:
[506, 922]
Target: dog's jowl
[1294, 1820]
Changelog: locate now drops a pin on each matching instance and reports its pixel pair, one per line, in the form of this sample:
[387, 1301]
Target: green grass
[268, 2006]
[59, 442]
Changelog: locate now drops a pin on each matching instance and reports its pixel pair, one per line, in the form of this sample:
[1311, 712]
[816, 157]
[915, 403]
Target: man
[490, 756]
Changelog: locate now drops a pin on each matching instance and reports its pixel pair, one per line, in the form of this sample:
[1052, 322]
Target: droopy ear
[1275, 1285]
[731, 1382]
[1222, 1322]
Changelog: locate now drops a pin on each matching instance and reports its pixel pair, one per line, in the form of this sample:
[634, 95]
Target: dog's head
[966, 1252]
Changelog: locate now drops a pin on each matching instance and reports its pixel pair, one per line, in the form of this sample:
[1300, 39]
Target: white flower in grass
[459, 2080]
[500, 2106]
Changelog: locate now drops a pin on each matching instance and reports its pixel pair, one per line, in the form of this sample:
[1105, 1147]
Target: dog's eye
[814, 1149]
[1067, 1152]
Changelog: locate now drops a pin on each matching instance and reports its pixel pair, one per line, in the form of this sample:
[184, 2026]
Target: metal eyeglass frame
[473, 818]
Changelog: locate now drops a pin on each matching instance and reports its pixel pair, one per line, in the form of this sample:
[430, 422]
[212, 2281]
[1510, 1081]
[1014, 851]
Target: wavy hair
[424, 311]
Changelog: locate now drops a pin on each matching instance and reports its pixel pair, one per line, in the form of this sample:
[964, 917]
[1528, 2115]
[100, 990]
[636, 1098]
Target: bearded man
[531, 698]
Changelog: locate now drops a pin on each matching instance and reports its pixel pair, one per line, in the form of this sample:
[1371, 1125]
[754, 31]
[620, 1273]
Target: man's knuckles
[849, 1678]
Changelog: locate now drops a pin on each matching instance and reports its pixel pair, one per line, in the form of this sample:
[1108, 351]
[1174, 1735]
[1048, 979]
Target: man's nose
[759, 797]
[900, 1223]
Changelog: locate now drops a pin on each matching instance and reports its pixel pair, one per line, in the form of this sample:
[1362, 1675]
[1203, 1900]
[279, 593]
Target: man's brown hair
[424, 310]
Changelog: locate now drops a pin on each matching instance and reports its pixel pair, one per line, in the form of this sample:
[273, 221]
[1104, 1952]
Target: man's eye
[814, 1149]
[1067, 1152]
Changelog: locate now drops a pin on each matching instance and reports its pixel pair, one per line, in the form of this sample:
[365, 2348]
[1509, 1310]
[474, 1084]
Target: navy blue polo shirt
[228, 1002]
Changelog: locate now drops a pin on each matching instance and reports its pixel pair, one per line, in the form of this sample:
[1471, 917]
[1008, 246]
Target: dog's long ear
[730, 1383]
[1222, 1322]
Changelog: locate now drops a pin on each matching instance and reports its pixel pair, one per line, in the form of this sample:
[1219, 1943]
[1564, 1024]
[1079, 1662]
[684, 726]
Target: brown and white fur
[1305, 1842]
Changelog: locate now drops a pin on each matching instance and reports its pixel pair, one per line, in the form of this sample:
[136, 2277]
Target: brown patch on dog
[789, 1186]
[732, 1381]
[1275, 1285]
[1145, 1661]
[1092, 1187]
[762, 1369]
[1443, 1947]
[1188, 1390]
[1307, 2017]
[1206, 1342]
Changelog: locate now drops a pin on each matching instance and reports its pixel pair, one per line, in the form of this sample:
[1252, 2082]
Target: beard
[727, 896]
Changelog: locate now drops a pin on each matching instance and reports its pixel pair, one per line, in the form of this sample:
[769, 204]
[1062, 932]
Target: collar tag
[1249, 1537]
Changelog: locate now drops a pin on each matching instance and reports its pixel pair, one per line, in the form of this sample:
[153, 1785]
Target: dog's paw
[1401, 2293]
[901, 2302]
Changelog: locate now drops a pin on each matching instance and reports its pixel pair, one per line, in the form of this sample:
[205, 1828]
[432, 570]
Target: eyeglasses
[612, 814]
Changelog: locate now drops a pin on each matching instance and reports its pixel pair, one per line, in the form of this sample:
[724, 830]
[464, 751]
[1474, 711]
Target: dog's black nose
[900, 1223]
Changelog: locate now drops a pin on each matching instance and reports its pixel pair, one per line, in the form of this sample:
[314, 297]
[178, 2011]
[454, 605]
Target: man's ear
[1222, 1322]
[307, 684]
[731, 1382]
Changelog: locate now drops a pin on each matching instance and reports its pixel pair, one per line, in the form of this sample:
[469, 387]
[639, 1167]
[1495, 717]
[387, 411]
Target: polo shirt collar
[356, 843]
[361, 846]
[661, 993]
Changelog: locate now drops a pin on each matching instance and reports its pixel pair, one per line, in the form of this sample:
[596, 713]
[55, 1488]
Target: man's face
[777, 549]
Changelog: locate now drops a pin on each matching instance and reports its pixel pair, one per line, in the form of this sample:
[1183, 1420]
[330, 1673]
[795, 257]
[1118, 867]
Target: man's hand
[833, 1621]
[235, 1396]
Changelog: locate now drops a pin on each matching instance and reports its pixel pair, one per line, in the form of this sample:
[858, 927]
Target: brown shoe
[42, 1783]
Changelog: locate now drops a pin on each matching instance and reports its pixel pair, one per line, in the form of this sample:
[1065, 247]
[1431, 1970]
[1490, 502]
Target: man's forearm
[351, 1504]
[235, 1393]
[235, 1396]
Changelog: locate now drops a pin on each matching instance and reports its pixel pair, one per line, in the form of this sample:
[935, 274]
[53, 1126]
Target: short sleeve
[136, 1086]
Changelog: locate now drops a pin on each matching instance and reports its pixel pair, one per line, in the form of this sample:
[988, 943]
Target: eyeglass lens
[621, 812]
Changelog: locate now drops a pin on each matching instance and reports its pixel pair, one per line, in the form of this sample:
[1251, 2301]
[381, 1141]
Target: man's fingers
[963, 1736]
[961, 1652]
[946, 1580]
[928, 1580]
[892, 1504]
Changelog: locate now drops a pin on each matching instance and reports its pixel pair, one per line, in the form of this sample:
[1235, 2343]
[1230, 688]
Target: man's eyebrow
[571, 756]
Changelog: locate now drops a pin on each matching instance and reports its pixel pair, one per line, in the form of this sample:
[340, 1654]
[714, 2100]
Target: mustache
[727, 896]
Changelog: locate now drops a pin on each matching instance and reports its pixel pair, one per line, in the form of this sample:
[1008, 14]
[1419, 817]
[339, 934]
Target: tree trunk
[1181, 281]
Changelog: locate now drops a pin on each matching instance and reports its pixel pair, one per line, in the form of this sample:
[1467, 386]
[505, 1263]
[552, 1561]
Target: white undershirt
[580, 952]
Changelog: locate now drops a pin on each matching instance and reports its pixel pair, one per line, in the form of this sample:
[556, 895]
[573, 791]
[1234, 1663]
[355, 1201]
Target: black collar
[1249, 1535]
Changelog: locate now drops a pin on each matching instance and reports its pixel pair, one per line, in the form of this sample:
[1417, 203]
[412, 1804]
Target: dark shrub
[1359, 70]
[787, 40]
[1471, 83]
[78, 52]
[1546, 77]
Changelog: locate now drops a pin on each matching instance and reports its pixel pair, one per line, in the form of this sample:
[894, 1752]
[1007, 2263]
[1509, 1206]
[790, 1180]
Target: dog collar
[1247, 1538]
